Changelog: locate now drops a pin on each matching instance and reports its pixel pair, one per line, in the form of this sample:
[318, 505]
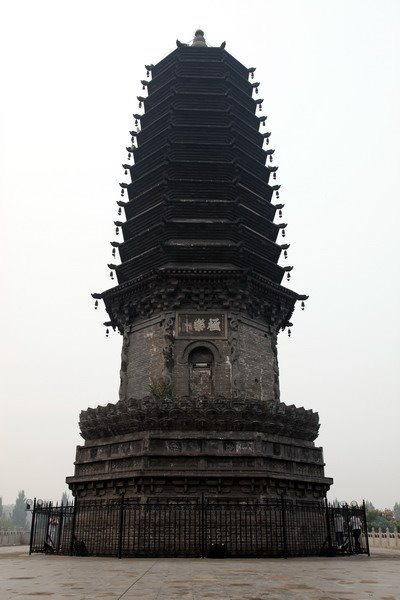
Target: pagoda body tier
[199, 303]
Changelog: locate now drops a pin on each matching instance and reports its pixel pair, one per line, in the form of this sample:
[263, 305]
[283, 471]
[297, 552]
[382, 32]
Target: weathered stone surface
[225, 464]
[198, 414]
[243, 358]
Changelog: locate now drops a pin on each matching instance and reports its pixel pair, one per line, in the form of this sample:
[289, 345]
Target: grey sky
[329, 73]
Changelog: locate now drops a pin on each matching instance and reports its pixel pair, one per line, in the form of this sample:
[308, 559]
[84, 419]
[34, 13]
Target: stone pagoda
[199, 303]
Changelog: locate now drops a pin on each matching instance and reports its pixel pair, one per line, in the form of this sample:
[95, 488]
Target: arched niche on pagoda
[201, 371]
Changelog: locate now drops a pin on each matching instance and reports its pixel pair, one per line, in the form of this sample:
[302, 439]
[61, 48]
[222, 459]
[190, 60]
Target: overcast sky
[330, 78]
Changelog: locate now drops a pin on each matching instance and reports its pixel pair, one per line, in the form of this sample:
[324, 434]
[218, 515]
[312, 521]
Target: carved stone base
[222, 464]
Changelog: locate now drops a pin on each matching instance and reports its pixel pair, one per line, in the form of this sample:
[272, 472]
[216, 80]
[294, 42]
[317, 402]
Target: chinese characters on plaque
[201, 325]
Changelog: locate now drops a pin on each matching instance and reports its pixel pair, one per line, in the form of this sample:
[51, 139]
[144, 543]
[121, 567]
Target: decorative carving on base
[198, 414]
[189, 489]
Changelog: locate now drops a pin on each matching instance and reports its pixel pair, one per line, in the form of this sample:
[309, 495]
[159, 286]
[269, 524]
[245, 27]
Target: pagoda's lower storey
[199, 424]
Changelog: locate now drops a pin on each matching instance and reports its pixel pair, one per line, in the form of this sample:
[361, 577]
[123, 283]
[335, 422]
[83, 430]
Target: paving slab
[24, 577]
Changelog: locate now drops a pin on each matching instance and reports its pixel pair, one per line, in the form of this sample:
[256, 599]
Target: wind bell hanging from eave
[137, 118]
[272, 169]
[285, 247]
[141, 100]
[282, 227]
[266, 137]
[112, 268]
[149, 69]
[108, 324]
[259, 103]
[96, 297]
[276, 188]
[287, 270]
[114, 245]
[269, 153]
[279, 207]
[303, 298]
[117, 224]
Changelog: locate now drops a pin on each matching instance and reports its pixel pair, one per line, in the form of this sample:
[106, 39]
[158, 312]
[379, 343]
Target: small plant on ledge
[160, 387]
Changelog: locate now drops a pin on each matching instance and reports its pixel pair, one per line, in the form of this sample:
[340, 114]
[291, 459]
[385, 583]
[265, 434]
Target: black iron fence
[199, 528]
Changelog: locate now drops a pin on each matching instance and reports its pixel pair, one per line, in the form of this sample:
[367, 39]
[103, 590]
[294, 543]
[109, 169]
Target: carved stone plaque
[201, 325]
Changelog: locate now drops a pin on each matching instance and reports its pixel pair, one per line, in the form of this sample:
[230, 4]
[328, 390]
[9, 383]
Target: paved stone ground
[24, 577]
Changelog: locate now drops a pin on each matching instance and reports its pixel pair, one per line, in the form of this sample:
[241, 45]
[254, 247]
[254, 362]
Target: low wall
[14, 537]
[383, 538]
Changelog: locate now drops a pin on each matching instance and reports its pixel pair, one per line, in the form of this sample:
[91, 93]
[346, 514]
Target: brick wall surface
[145, 358]
[257, 368]
[245, 363]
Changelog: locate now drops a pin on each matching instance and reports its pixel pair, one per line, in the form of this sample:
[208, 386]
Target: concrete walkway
[24, 577]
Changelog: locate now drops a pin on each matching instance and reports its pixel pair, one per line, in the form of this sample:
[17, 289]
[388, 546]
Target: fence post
[71, 548]
[283, 512]
[365, 526]
[32, 526]
[60, 528]
[202, 526]
[328, 527]
[49, 515]
[121, 525]
[349, 532]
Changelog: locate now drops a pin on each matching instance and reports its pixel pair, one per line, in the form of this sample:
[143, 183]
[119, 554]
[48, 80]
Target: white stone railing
[14, 537]
[379, 538]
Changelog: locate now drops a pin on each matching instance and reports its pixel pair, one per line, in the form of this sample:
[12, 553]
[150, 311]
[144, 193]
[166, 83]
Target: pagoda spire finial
[199, 39]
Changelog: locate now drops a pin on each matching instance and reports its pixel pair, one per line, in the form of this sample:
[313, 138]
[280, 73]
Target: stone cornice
[171, 288]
